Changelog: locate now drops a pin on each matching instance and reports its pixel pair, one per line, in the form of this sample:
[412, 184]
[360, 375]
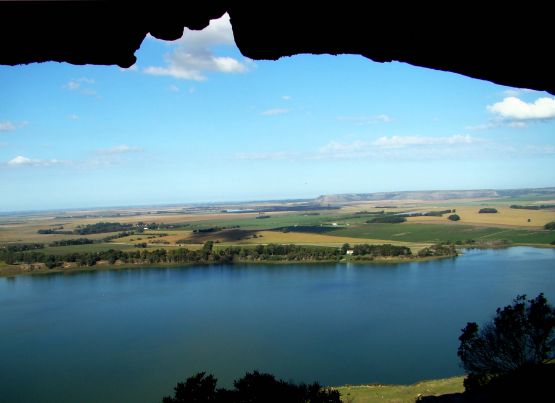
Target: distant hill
[436, 195]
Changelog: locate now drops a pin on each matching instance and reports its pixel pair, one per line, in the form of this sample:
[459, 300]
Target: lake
[130, 335]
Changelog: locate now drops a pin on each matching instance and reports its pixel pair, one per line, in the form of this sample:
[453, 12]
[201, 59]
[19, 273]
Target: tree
[488, 210]
[550, 225]
[520, 336]
[199, 388]
[454, 217]
[254, 387]
[345, 248]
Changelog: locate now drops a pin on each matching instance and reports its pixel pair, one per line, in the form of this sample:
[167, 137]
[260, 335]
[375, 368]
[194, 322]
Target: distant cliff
[435, 195]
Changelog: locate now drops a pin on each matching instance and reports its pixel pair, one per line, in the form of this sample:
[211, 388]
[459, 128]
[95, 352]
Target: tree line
[386, 250]
[487, 210]
[532, 207]
[209, 254]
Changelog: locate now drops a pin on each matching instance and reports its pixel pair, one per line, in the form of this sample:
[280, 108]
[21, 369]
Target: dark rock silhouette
[506, 45]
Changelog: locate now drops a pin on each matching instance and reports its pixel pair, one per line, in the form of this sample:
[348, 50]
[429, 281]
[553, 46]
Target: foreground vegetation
[507, 360]
[254, 387]
[400, 393]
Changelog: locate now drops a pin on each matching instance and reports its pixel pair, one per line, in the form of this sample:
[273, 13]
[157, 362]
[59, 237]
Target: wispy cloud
[364, 120]
[73, 116]
[194, 57]
[513, 108]
[173, 88]
[402, 147]
[101, 158]
[515, 92]
[274, 111]
[539, 150]
[83, 85]
[21, 161]
[119, 149]
[404, 141]
[7, 126]
[286, 97]
[483, 126]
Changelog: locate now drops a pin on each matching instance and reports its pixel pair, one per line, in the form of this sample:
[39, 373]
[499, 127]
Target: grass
[399, 393]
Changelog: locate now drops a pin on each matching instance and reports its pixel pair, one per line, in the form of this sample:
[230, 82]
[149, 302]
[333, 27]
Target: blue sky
[194, 121]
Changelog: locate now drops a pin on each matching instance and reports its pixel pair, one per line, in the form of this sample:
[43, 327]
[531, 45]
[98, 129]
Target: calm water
[131, 335]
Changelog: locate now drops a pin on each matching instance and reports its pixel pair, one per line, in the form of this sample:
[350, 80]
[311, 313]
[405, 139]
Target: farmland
[361, 222]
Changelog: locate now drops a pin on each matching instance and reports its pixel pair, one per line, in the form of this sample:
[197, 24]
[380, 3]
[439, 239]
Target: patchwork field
[267, 222]
[506, 216]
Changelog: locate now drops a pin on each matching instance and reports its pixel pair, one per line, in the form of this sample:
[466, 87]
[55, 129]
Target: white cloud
[174, 88]
[73, 116]
[193, 56]
[7, 126]
[119, 149]
[20, 160]
[286, 97]
[25, 161]
[363, 120]
[274, 111]
[516, 109]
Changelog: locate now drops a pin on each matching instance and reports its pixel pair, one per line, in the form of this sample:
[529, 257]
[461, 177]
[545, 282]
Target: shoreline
[7, 270]
[20, 270]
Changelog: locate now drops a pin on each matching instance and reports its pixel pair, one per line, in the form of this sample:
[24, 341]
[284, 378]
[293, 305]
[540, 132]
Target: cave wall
[503, 44]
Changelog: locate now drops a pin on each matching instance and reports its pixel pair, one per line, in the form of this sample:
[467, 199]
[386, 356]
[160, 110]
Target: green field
[400, 393]
[275, 221]
[444, 232]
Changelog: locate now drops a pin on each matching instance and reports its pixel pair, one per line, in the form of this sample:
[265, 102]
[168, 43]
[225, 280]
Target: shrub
[520, 336]
[487, 210]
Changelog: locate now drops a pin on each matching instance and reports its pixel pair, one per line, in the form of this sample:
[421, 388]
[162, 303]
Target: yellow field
[28, 233]
[266, 237]
[506, 216]
[166, 219]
